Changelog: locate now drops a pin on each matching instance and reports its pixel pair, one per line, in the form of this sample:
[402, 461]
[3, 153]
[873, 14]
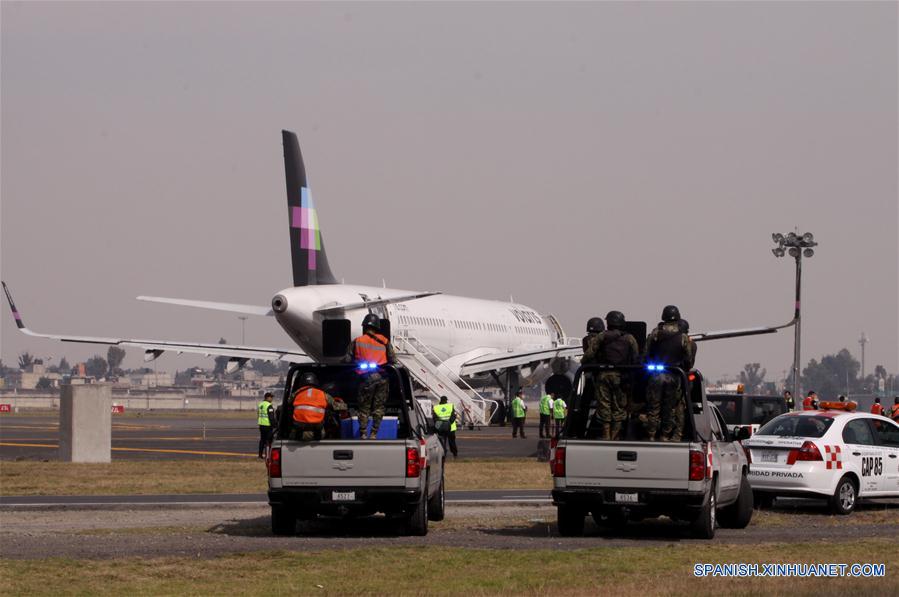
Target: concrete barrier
[85, 423]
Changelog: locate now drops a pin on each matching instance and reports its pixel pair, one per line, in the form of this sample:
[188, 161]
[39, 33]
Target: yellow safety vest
[544, 404]
[263, 413]
[444, 412]
[559, 409]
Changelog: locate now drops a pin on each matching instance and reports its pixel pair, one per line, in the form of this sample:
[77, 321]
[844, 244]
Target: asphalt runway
[199, 436]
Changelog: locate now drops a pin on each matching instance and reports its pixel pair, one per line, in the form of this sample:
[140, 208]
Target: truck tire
[570, 521]
[417, 520]
[703, 526]
[844, 497]
[283, 521]
[437, 505]
[738, 514]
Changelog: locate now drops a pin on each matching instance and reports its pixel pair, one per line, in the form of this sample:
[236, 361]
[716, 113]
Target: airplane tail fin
[307, 249]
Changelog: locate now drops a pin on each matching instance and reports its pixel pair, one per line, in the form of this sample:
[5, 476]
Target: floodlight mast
[797, 246]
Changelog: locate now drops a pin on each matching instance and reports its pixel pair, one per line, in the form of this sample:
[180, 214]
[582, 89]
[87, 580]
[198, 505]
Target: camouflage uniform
[664, 395]
[373, 390]
[611, 394]
[306, 432]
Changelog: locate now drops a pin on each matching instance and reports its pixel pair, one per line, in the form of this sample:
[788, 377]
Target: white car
[833, 454]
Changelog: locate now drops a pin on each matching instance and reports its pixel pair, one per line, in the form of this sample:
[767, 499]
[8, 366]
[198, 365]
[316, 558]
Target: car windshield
[797, 426]
[729, 407]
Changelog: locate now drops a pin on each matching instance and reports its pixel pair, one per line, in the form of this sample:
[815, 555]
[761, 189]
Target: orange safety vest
[896, 412]
[371, 348]
[807, 404]
[876, 409]
[309, 405]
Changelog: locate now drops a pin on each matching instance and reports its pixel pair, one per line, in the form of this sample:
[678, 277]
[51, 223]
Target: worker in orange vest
[895, 413]
[877, 407]
[811, 401]
[370, 352]
[310, 408]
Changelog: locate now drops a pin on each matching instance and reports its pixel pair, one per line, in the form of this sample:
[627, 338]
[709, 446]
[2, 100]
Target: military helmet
[371, 321]
[615, 320]
[595, 325]
[670, 313]
[683, 325]
[309, 379]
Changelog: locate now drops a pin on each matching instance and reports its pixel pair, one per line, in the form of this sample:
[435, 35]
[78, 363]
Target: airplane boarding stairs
[471, 407]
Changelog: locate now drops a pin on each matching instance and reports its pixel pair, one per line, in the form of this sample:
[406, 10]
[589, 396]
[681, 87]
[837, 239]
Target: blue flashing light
[367, 366]
[655, 367]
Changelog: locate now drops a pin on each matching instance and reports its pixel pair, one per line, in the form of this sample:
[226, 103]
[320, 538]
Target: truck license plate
[626, 498]
[343, 496]
[769, 456]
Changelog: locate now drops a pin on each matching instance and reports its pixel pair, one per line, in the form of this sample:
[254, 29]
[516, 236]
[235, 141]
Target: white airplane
[443, 340]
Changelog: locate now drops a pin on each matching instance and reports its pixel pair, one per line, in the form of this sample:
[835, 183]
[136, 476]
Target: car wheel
[738, 514]
[844, 496]
[437, 505]
[417, 521]
[703, 526]
[570, 521]
[283, 521]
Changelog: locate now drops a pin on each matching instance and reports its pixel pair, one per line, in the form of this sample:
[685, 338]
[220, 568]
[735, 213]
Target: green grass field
[227, 476]
[435, 571]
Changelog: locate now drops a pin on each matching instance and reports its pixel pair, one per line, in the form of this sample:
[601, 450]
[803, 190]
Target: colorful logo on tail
[305, 220]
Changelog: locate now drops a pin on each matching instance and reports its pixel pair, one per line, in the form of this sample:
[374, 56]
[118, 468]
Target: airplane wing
[366, 302]
[501, 360]
[231, 307]
[238, 355]
[719, 335]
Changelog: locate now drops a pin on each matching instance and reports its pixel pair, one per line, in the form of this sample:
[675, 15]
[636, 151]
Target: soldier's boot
[615, 431]
[605, 431]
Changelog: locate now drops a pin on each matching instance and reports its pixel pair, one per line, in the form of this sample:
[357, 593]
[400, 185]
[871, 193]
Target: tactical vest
[614, 348]
[371, 348]
[309, 406]
[668, 348]
[262, 413]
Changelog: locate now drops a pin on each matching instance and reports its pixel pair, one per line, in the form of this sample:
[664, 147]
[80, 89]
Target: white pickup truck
[701, 479]
[399, 474]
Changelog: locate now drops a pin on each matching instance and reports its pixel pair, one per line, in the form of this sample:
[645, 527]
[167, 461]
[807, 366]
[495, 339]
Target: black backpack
[614, 349]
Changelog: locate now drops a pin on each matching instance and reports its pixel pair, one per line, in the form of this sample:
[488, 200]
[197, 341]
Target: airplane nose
[279, 303]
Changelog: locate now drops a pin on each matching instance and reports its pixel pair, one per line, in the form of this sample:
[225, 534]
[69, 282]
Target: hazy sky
[581, 157]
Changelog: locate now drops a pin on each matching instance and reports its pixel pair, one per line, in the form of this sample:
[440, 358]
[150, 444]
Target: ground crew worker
[370, 352]
[877, 407]
[560, 411]
[445, 422]
[311, 406]
[546, 414]
[519, 412]
[810, 402]
[265, 416]
[667, 346]
[895, 412]
[788, 397]
[619, 348]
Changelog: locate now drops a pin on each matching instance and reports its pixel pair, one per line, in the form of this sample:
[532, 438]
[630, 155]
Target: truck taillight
[413, 462]
[698, 461]
[558, 463]
[807, 453]
[274, 463]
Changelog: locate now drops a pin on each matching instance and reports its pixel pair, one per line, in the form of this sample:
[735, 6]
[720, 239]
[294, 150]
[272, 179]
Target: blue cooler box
[349, 428]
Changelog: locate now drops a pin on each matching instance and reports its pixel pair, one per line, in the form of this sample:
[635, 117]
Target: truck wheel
[738, 514]
[762, 500]
[570, 521]
[283, 521]
[703, 526]
[417, 521]
[844, 496]
[437, 505]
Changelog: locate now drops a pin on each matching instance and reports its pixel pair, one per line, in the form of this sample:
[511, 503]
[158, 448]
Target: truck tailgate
[650, 465]
[343, 463]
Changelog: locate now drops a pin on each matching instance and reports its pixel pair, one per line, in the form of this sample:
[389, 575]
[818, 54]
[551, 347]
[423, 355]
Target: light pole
[797, 247]
[862, 341]
[243, 329]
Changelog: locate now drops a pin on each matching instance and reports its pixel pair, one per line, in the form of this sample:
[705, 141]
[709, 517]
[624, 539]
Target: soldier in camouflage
[612, 347]
[373, 349]
[667, 345]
